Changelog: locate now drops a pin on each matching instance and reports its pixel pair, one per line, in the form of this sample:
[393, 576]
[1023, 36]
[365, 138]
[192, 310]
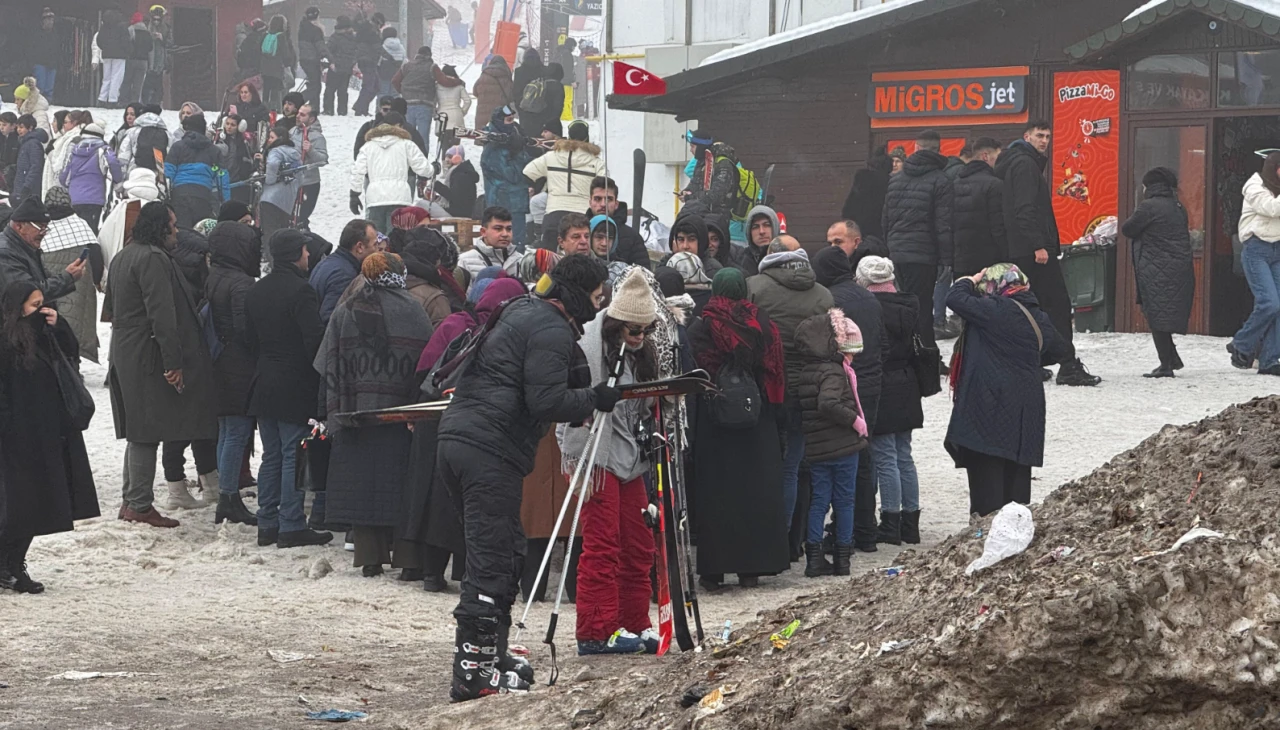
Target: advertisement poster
[1086, 153]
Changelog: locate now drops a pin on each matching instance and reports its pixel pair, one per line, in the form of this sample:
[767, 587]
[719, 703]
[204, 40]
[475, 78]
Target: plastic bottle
[728, 628]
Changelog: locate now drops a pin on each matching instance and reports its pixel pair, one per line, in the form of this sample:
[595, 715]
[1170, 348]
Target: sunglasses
[636, 330]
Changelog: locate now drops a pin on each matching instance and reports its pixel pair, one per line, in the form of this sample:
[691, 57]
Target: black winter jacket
[1162, 259]
[900, 409]
[978, 219]
[284, 333]
[719, 198]
[999, 402]
[192, 257]
[235, 253]
[343, 51]
[865, 203]
[9, 144]
[368, 43]
[917, 211]
[828, 405]
[832, 269]
[141, 41]
[1027, 202]
[114, 40]
[517, 384]
[311, 46]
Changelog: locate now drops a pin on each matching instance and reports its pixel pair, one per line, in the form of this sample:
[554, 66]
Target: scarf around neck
[738, 335]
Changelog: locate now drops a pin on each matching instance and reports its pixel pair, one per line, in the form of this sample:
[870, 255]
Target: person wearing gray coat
[161, 375]
[313, 149]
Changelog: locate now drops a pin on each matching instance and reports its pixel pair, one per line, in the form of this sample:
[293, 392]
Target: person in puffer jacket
[569, 169]
[139, 145]
[86, 175]
[835, 432]
[917, 223]
[281, 184]
[30, 166]
[979, 232]
[381, 171]
[197, 178]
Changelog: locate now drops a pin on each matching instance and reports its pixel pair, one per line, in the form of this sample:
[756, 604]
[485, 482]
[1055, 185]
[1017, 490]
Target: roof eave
[1226, 10]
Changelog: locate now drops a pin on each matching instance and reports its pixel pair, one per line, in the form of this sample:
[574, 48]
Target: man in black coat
[831, 266]
[1033, 237]
[526, 374]
[284, 332]
[917, 223]
[604, 201]
[312, 53]
[865, 202]
[368, 53]
[978, 217]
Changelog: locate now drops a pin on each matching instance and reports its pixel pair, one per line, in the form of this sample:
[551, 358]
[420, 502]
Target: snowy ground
[193, 611]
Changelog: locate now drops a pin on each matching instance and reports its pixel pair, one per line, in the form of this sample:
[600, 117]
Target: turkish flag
[631, 80]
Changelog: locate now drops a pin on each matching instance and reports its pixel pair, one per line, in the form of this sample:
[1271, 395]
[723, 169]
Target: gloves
[355, 203]
[606, 397]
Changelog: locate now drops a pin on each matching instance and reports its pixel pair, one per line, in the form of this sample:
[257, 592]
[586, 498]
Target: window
[1249, 78]
[1170, 82]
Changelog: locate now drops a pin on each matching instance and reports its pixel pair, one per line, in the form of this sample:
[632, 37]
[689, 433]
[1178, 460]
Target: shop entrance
[1235, 139]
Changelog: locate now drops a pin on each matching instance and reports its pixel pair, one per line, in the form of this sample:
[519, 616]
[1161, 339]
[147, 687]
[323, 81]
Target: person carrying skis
[617, 545]
[526, 374]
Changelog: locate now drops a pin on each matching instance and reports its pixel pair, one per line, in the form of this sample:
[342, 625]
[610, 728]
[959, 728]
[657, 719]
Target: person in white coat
[494, 246]
[569, 169]
[453, 100]
[139, 188]
[31, 101]
[60, 148]
[381, 171]
[158, 134]
[1259, 337]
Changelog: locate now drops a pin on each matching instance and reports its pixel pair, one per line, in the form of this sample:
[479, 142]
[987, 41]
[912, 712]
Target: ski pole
[614, 375]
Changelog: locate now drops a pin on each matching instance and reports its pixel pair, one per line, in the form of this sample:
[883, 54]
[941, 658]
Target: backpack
[448, 368]
[748, 192]
[739, 403]
[270, 44]
[534, 99]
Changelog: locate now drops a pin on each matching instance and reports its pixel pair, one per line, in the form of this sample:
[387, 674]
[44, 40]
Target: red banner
[1086, 151]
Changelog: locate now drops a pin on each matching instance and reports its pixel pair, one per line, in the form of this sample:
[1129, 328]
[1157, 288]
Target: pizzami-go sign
[953, 96]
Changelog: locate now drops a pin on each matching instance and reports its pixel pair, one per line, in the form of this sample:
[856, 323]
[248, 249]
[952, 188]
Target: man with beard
[526, 374]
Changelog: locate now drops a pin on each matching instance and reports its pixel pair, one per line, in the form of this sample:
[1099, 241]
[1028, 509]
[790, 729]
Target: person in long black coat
[865, 202]
[738, 472]
[831, 266]
[899, 411]
[235, 261]
[997, 422]
[47, 482]
[1162, 264]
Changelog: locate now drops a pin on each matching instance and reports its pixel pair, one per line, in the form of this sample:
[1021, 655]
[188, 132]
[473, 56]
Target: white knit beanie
[633, 300]
[874, 270]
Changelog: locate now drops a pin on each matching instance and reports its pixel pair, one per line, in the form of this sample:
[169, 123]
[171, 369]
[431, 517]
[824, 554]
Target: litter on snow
[338, 716]
[1195, 533]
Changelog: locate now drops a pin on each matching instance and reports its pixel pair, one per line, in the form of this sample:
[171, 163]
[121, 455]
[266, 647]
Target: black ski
[639, 162]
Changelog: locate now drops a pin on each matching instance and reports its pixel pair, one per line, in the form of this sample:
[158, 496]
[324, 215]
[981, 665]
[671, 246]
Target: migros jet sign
[965, 95]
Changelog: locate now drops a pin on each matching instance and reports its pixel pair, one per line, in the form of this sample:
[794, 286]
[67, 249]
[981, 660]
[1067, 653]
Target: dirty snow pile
[1100, 623]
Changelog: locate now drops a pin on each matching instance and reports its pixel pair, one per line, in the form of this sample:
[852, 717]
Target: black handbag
[927, 363]
[75, 397]
[311, 459]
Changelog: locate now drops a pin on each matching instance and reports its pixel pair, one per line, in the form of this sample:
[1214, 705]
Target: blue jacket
[331, 277]
[195, 161]
[30, 170]
[999, 408]
[504, 180]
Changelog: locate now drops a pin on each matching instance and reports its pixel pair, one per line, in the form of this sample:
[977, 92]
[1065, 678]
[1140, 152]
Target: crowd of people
[230, 316]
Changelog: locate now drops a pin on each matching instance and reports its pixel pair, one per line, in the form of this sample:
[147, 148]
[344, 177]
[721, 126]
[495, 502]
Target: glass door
[1183, 149]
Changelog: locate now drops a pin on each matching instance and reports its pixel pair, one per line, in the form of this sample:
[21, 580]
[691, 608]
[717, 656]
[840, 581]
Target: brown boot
[150, 517]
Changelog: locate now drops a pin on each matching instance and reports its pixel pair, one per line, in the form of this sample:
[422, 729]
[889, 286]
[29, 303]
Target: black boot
[911, 527]
[303, 538]
[843, 554]
[475, 673]
[890, 531]
[231, 509]
[816, 564]
[1074, 373]
[506, 662]
[17, 579]
[434, 583]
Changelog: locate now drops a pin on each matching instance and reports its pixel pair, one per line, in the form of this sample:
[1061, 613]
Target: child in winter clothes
[834, 431]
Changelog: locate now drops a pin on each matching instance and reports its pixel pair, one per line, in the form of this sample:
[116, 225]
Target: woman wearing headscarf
[47, 482]
[1162, 265]
[1259, 337]
[366, 362]
[432, 521]
[430, 281]
[738, 465]
[696, 282]
[997, 423]
[493, 90]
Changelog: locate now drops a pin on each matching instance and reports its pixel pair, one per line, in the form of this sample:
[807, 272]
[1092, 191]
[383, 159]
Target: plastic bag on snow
[1012, 530]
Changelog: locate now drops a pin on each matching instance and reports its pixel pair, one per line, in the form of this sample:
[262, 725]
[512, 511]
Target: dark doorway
[195, 67]
[1234, 162]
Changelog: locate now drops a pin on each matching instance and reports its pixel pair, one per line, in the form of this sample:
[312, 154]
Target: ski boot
[475, 671]
[506, 661]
